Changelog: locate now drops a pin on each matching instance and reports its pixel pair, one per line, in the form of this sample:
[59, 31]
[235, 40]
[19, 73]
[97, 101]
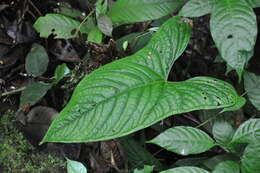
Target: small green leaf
[125, 11]
[223, 132]
[95, 35]
[75, 167]
[58, 25]
[248, 132]
[137, 155]
[185, 169]
[197, 8]
[227, 167]
[60, 71]
[147, 169]
[251, 158]
[252, 87]
[234, 28]
[37, 60]
[101, 7]
[105, 25]
[184, 140]
[33, 93]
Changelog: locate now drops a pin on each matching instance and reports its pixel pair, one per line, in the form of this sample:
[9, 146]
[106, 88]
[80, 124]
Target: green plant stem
[85, 19]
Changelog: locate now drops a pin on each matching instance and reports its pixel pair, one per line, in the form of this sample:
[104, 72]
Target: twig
[13, 91]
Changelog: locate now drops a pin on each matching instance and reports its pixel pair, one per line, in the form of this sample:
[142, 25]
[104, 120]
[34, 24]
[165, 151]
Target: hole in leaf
[230, 36]
[53, 30]
[73, 32]
[205, 98]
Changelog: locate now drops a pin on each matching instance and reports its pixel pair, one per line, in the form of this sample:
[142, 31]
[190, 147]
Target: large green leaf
[227, 167]
[184, 140]
[248, 132]
[197, 8]
[132, 93]
[125, 11]
[234, 28]
[251, 158]
[186, 169]
[252, 87]
[58, 25]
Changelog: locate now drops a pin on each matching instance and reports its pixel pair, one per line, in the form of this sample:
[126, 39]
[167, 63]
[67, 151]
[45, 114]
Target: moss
[17, 155]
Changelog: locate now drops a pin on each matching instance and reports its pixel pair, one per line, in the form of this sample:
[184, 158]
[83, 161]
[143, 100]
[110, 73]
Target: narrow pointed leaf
[248, 132]
[252, 87]
[132, 93]
[125, 11]
[186, 169]
[251, 158]
[184, 140]
[227, 167]
[197, 8]
[234, 28]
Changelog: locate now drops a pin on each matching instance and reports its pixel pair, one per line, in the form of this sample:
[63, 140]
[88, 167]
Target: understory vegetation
[168, 86]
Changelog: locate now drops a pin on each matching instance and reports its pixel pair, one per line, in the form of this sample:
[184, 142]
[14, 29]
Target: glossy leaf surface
[188, 169]
[227, 167]
[132, 93]
[253, 3]
[125, 11]
[234, 29]
[197, 8]
[75, 167]
[251, 158]
[252, 87]
[184, 140]
[248, 132]
[223, 132]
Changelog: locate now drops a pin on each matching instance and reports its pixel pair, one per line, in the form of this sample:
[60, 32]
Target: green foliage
[137, 155]
[60, 72]
[227, 167]
[58, 25]
[132, 93]
[75, 167]
[248, 132]
[37, 60]
[197, 8]
[33, 93]
[185, 170]
[147, 169]
[95, 35]
[233, 27]
[184, 140]
[251, 158]
[17, 155]
[125, 11]
[252, 87]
